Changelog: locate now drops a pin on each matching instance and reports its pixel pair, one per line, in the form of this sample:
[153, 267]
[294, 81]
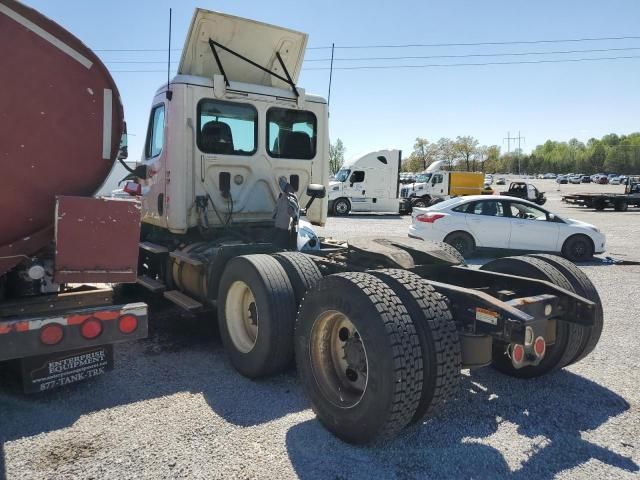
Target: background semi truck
[436, 184]
[62, 123]
[380, 327]
[367, 183]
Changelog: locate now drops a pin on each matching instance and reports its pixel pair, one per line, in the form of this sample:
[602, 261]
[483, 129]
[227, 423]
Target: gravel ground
[175, 408]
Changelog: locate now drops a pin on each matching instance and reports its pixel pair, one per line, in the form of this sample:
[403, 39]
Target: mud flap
[47, 372]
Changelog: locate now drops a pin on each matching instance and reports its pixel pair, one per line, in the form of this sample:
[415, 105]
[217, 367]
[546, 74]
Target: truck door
[437, 185]
[358, 192]
[155, 155]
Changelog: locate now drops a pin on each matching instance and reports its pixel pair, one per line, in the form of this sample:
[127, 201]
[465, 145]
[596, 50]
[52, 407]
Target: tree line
[610, 154]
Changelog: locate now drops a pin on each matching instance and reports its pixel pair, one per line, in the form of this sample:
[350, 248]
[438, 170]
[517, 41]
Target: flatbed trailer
[620, 202]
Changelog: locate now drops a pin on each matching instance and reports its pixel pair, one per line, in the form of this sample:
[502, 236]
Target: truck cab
[232, 122]
[367, 183]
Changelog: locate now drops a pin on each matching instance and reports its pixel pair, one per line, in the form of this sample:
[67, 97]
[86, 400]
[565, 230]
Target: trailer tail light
[517, 354]
[540, 347]
[51, 334]
[428, 217]
[128, 324]
[133, 188]
[91, 328]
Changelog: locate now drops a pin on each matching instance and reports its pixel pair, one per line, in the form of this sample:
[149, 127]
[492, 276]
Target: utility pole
[508, 139]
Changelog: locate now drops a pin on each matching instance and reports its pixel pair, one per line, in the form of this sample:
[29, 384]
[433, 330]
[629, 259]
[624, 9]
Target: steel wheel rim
[241, 316]
[339, 362]
[341, 207]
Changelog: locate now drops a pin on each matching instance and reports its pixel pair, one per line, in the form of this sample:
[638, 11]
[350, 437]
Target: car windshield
[447, 203]
[423, 178]
[342, 175]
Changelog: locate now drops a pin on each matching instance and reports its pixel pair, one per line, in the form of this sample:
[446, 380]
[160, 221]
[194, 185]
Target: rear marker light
[428, 217]
[128, 323]
[51, 334]
[540, 346]
[518, 353]
[91, 328]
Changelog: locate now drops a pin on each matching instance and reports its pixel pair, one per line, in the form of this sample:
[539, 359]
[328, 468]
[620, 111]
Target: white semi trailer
[380, 327]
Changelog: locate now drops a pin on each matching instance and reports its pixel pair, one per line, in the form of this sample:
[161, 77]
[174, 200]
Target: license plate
[47, 372]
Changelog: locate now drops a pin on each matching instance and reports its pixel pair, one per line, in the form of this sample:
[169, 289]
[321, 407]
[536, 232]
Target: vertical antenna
[169, 92]
[330, 75]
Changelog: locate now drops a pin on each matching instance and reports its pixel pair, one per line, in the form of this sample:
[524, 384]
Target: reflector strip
[84, 61]
[107, 118]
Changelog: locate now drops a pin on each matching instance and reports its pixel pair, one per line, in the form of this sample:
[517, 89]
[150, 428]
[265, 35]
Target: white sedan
[481, 221]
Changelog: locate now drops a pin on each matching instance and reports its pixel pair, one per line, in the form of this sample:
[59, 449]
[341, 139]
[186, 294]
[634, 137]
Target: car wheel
[341, 207]
[461, 241]
[578, 248]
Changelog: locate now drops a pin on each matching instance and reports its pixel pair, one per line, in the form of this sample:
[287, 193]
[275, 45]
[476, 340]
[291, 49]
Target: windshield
[423, 178]
[447, 203]
[342, 175]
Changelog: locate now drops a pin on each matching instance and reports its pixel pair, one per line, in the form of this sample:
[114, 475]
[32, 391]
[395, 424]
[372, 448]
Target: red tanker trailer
[61, 128]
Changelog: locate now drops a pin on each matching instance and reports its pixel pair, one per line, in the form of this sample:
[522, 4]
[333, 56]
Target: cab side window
[437, 178]
[291, 133]
[155, 132]
[357, 177]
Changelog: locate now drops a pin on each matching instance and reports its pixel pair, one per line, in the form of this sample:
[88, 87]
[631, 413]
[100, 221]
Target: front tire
[578, 248]
[359, 358]
[256, 315]
[341, 207]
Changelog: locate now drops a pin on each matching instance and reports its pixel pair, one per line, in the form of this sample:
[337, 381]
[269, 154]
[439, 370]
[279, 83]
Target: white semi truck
[380, 327]
[367, 183]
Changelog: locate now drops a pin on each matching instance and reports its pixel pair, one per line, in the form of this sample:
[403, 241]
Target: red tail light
[51, 334]
[91, 328]
[428, 217]
[128, 323]
[133, 188]
[540, 346]
[517, 354]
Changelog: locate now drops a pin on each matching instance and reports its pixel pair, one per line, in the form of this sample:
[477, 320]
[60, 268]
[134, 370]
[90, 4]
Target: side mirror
[315, 190]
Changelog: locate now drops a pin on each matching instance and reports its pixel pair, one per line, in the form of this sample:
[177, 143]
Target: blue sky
[388, 108]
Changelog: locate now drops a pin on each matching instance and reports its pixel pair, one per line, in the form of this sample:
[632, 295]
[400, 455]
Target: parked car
[615, 181]
[576, 179]
[501, 181]
[562, 179]
[549, 176]
[585, 179]
[488, 179]
[602, 180]
[479, 222]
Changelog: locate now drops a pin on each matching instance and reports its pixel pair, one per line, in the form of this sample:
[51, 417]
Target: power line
[512, 42]
[469, 55]
[410, 45]
[434, 65]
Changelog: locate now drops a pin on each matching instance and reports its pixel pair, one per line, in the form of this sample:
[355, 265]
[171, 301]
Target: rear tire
[462, 242]
[359, 357]
[568, 336]
[256, 315]
[451, 251]
[578, 248]
[598, 204]
[621, 206]
[301, 270]
[582, 286]
[441, 356]
[341, 207]
[420, 203]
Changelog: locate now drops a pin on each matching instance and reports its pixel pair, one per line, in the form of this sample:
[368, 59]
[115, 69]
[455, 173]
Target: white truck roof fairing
[258, 42]
[435, 166]
[361, 158]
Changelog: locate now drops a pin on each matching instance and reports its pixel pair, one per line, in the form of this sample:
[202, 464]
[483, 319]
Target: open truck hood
[256, 41]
